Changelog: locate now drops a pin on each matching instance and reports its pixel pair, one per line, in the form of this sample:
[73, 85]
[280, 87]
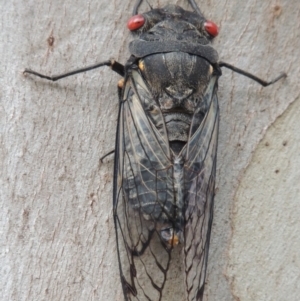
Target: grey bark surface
[57, 236]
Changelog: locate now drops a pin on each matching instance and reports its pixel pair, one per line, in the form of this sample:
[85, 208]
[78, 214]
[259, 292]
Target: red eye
[135, 22]
[211, 28]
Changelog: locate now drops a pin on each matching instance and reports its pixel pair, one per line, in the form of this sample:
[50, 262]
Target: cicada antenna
[195, 7]
[137, 5]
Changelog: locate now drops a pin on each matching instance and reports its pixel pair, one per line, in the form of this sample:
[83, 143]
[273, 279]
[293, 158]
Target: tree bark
[57, 233]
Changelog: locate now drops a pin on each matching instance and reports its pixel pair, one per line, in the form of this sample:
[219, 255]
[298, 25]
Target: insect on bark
[165, 153]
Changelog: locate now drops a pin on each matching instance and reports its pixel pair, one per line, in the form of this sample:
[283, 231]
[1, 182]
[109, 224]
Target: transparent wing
[200, 167]
[144, 193]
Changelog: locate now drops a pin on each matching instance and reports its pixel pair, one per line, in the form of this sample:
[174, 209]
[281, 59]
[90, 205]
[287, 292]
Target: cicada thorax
[178, 81]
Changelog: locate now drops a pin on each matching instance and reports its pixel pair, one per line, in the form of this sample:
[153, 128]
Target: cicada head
[175, 20]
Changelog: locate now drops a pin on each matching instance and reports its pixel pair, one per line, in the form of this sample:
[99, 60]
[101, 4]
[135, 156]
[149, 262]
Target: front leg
[115, 66]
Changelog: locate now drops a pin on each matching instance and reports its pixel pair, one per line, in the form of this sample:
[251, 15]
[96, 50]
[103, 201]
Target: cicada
[165, 152]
